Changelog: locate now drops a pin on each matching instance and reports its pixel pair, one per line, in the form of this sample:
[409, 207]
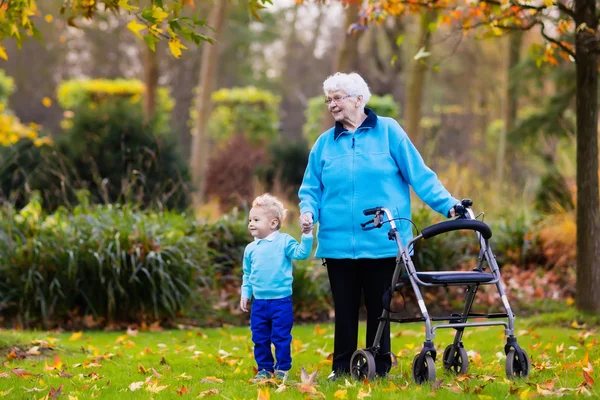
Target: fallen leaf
[135, 386]
[182, 391]
[207, 393]
[141, 369]
[306, 378]
[54, 393]
[33, 389]
[211, 379]
[362, 393]
[156, 374]
[183, 376]
[588, 379]
[21, 373]
[264, 394]
[340, 394]
[4, 375]
[64, 374]
[154, 388]
[75, 336]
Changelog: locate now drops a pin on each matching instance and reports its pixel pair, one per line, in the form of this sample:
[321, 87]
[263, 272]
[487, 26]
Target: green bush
[7, 87]
[285, 170]
[77, 94]
[384, 106]
[116, 155]
[247, 111]
[111, 262]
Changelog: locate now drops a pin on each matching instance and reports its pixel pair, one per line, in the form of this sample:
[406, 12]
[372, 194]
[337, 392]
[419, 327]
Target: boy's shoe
[262, 375]
[332, 376]
[281, 375]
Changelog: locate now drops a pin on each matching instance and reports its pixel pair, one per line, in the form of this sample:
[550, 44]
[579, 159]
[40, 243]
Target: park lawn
[193, 361]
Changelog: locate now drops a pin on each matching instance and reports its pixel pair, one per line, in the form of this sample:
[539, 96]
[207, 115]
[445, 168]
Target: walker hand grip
[371, 211]
[455, 225]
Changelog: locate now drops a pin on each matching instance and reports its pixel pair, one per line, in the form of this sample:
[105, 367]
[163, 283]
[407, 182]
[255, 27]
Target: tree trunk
[346, 59]
[150, 81]
[416, 80]
[511, 103]
[588, 204]
[208, 69]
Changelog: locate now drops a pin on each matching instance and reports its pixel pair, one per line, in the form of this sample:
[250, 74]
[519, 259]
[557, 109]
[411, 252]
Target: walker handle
[371, 211]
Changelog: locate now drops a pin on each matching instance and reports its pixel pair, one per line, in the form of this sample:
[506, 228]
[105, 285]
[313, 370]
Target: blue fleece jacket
[349, 172]
[268, 265]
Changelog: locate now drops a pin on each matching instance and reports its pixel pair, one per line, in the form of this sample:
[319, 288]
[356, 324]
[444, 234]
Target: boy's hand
[306, 222]
[244, 304]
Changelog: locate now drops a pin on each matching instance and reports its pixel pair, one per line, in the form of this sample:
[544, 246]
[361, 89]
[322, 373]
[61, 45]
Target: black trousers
[349, 279]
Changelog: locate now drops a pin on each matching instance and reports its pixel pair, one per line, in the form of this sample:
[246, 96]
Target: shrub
[89, 94]
[285, 169]
[114, 153]
[247, 111]
[243, 121]
[384, 106]
[7, 87]
[25, 160]
[112, 262]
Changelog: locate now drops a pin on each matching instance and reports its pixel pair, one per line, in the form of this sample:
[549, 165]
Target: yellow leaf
[135, 27]
[319, 331]
[49, 18]
[211, 379]
[14, 30]
[207, 393]
[175, 46]
[362, 393]
[73, 397]
[548, 3]
[124, 5]
[183, 376]
[76, 335]
[158, 14]
[154, 388]
[264, 394]
[524, 394]
[340, 394]
[2, 394]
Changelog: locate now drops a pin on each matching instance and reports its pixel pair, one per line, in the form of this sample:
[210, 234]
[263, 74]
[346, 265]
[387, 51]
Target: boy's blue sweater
[268, 265]
[349, 172]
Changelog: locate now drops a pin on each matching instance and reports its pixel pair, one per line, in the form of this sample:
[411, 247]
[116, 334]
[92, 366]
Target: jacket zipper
[353, 194]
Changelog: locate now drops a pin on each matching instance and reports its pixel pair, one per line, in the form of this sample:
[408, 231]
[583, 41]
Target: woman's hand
[306, 222]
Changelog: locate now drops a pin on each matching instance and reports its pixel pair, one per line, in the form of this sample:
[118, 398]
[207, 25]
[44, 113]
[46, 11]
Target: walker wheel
[362, 365]
[423, 371]
[514, 367]
[460, 363]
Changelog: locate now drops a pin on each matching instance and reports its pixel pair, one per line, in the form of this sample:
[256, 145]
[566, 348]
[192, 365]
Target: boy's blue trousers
[271, 322]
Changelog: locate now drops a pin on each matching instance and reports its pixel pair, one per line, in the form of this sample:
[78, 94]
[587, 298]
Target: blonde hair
[272, 205]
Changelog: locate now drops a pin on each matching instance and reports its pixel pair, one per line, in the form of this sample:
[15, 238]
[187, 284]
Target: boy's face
[261, 224]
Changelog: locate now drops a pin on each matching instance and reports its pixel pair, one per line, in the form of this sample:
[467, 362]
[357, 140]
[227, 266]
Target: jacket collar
[370, 122]
[272, 236]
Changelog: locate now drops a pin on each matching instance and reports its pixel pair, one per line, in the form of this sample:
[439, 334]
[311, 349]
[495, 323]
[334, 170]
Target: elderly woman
[364, 161]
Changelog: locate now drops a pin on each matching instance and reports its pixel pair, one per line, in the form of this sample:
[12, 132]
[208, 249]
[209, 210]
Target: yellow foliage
[557, 235]
[12, 131]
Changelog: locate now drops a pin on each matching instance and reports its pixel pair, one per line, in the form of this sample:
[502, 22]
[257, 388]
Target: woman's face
[343, 107]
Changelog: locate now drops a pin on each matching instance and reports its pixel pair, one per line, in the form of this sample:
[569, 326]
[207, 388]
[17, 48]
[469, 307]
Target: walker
[454, 359]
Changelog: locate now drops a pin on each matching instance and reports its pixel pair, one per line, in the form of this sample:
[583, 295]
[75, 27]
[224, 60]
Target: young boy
[268, 277]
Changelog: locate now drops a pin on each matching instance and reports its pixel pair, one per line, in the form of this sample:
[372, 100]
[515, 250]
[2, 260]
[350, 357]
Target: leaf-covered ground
[218, 363]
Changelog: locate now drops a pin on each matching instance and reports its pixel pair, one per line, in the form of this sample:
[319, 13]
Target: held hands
[306, 222]
[244, 304]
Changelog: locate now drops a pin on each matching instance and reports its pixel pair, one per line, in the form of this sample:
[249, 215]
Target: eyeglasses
[336, 99]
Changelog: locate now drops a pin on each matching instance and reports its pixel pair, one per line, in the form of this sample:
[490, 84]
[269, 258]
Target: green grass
[104, 364]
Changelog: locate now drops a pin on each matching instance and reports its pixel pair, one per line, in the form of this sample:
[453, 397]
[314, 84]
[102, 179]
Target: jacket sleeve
[246, 267]
[423, 180]
[299, 251]
[311, 189]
